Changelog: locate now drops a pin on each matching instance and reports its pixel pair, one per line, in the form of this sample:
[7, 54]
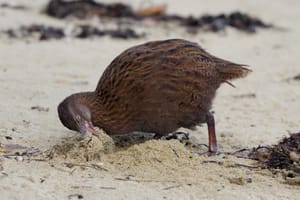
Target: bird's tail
[232, 71]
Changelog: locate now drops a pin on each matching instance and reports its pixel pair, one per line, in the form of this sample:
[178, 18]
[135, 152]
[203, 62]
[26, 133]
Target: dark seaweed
[279, 156]
[86, 8]
[214, 23]
[45, 32]
[84, 31]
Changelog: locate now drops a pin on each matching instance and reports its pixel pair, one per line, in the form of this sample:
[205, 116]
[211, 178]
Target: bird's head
[75, 116]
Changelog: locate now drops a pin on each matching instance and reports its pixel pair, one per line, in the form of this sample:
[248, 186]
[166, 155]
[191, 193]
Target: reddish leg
[212, 140]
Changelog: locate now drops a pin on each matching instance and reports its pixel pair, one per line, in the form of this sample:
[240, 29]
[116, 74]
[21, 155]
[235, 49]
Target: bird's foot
[209, 153]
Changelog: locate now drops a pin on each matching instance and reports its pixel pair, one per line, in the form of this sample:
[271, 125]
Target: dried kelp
[42, 32]
[284, 156]
[87, 8]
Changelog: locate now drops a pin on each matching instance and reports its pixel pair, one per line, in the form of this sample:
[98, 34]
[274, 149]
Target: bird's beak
[86, 127]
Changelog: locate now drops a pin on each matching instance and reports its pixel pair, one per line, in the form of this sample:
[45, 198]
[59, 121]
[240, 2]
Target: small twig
[71, 173]
[175, 153]
[171, 187]
[3, 174]
[40, 108]
[203, 145]
[11, 150]
[78, 196]
[263, 147]
[123, 179]
[93, 166]
[235, 164]
[37, 159]
[142, 180]
[212, 161]
[108, 188]
[238, 151]
[81, 187]
[247, 166]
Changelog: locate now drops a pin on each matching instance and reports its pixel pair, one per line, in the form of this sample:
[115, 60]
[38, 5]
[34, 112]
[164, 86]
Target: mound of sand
[148, 159]
[90, 147]
[137, 157]
[155, 158]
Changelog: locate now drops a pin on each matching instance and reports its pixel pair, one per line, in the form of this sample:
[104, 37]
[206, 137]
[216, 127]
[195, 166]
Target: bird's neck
[100, 111]
[90, 100]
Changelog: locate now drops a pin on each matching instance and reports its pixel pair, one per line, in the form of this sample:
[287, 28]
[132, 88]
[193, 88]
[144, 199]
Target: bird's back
[162, 85]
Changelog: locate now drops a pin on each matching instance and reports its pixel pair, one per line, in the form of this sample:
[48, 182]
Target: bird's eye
[77, 118]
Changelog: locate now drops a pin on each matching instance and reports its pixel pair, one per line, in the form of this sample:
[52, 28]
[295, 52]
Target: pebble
[294, 156]
[19, 158]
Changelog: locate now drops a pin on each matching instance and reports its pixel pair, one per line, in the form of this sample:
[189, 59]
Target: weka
[156, 87]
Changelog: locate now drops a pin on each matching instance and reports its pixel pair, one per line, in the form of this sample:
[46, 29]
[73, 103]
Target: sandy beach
[263, 108]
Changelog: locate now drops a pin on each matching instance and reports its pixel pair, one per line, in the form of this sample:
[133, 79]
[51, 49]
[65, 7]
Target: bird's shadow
[125, 141]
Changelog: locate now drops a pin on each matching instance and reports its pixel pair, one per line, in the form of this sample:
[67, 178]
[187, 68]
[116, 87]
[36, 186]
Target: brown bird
[156, 87]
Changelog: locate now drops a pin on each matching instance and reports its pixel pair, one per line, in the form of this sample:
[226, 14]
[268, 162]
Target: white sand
[43, 73]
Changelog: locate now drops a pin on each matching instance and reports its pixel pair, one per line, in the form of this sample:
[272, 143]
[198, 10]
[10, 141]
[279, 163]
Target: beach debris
[107, 188]
[245, 96]
[116, 12]
[286, 154]
[87, 8]
[8, 137]
[294, 78]
[26, 122]
[87, 165]
[16, 151]
[11, 6]
[40, 108]
[283, 157]
[84, 9]
[297, 78]
[42, 32]
[153, 10]
[172, 187]
[19, 158]
[85, 31]
[124, 34]
[75, 196]
[215, 23]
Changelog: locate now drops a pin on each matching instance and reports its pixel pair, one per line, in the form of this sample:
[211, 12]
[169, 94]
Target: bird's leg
[212, 140]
